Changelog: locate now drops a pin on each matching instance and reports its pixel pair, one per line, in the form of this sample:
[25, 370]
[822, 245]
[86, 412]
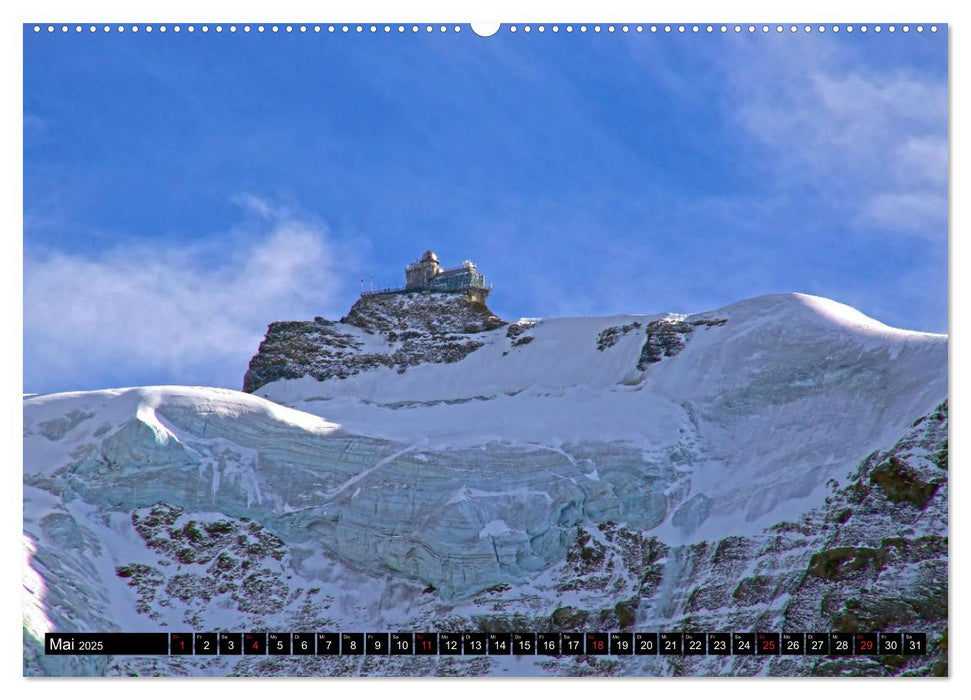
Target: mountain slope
[764, 398]
[499, 483]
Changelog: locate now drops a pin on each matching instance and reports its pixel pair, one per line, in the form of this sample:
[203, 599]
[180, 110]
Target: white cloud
[922, 160]
[874, 141]
[921, 213]
[166, 312]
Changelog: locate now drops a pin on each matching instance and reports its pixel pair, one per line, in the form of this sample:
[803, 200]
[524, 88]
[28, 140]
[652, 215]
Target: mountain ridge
[460, 489]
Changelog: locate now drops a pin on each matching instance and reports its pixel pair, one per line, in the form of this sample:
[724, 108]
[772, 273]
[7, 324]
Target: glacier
[489, 485]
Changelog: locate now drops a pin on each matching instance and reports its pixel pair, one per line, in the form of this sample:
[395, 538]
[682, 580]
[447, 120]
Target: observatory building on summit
[428, 276]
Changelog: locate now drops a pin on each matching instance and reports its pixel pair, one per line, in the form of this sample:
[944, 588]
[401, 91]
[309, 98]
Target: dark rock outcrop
[667, 337]
[407, 330]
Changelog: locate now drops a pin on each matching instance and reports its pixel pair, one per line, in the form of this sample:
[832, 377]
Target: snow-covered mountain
[780, 463]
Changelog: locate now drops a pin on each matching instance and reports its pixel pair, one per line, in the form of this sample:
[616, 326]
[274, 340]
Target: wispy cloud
[921, 213]
[170, 313]
[922, 161]
[873, 141]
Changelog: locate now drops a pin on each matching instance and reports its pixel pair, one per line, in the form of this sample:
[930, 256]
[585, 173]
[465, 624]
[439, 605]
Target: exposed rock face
[609, 337]
[198, 560]
[666, 338]
[866, 561]
[390, 330]
[433, 314]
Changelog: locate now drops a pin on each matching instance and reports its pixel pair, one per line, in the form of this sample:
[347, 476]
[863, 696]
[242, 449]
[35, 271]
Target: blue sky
[182, 191]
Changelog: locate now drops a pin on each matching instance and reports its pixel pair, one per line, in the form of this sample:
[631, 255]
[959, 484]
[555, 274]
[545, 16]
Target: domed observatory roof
[429, 256]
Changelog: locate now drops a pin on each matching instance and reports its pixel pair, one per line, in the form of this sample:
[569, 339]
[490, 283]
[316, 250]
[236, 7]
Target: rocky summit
[381, 330]
[779, 464]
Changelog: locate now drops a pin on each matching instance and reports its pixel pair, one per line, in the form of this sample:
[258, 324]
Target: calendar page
[518, 349]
